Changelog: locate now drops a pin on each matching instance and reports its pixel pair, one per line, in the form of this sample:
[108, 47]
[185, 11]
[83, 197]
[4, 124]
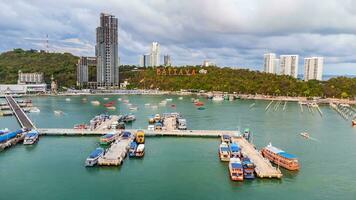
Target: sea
[177, 168]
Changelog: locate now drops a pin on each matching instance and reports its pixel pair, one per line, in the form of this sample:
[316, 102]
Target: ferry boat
[94, 157]
[235, 151]
[132, 150]
[140, 137]
[225, 138]
[249, 168]
[3, 131]
[224, 153]
[31, 137]
[140, 151]
[107, 139]
[280, 157]
[236, 169]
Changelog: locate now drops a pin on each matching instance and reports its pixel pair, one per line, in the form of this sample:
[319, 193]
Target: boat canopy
[226, 136]
[133, 145]
[96, 152]
[224, 149]
[158, 124]
[287, 155]
[236, 165]
[126, 134]
[234, 147]
[31, 133]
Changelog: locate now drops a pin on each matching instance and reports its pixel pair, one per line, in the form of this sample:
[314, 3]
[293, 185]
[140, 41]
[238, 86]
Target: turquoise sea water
[181, 168]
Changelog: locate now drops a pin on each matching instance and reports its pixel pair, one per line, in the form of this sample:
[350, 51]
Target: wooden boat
[280, 157]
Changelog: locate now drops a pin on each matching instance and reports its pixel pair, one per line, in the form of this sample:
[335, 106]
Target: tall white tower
[289, 65]
[155, 55]
[313, 68]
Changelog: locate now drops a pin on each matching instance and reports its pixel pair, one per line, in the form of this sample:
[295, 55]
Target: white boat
[67, 99]
[163, 103]
[154, 107]
[111, 107]
[126, 101]
[84, 99]
[35, 110]
[305, 135]
[129, 104]
[140, 150]
[147, 104]
[105, 98]
[94, 157]
[31, 137]
[180, 98]
[169, 99]
[95, 103]
[218, 98]
[151, 127]
[58, 112]
[133, 108]
[119, 99]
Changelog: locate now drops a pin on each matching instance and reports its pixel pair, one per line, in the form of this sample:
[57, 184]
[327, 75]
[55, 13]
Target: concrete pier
[264, 168]
[116, 153]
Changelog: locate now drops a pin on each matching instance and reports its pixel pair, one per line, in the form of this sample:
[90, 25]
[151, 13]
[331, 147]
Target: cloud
[228, 32]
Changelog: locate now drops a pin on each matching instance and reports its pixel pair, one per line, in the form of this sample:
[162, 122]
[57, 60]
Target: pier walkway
[88, 132]
[264, 168]
[21, 117]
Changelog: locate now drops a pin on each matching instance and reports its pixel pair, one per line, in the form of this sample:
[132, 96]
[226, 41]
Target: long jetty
[264, 168]
[21, 117]
[116, 153]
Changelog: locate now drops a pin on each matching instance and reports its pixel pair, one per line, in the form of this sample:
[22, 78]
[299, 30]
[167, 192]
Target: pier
[21, 117]
[264, 168]
[116, 153]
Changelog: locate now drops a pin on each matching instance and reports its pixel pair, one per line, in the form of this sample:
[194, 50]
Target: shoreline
[236, 96]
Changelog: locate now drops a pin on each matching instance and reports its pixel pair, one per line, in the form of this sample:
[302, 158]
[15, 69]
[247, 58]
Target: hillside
[242, 81]
[61, 65]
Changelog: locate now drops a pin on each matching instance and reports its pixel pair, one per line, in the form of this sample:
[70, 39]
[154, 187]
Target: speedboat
[94, 157]
[35, 110]
[218, 98]
[95, 103]
[132, 150]
[305, 135]
[31, 137]
[3, 131]
[58, 112]
[140, 151]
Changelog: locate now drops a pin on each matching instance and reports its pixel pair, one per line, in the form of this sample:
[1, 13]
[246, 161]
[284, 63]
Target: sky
[234, 33]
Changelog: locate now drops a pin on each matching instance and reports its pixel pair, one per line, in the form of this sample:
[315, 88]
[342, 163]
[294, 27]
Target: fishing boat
[107, 139]
[218, 98]
[235, 151]
[67, 99]
[199, 103]
[353, 122]
[132, 150]
[95, 103]
[201, 108]
[3, 131]
[133, 108]
[248, 168]
[80, 126]
[280, 157]
[125, 101]
[119, 99]
[109, 104]
[140, 150]
[94, 157]
[305, 135]
[173, 105]
[111, 108]
[106, 98]
[236, 169]
[31, 137]
[180, 98]
[147, 104]
[225, 138]
[157, 118]
[58, 112]
[224, 153]
[169, 99]
[129, 118]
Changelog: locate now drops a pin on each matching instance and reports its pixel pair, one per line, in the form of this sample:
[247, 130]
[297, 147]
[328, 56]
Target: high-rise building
[82, 69]
[145, 60]
[289, 65]
[269, 60]
[313, 68]
[155, 55]
[167, 60]
[106, 51]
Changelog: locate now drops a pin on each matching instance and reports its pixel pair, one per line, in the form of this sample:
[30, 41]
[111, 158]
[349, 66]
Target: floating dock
[264, 168]
[116, 153]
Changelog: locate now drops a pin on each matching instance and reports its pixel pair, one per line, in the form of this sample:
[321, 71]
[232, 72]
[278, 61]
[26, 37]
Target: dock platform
[264, 168]
[116, 153]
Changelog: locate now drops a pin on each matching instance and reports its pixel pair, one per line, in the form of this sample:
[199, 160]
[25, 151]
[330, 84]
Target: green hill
[61, 65]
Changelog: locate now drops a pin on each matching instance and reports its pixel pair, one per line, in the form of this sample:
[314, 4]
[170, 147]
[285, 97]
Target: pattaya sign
[175, 72]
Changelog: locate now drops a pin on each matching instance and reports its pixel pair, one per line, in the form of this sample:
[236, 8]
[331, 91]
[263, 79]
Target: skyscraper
[145, 60]
[289, 65]
[313, 68]
[269, 60]
[167, 60]
[106, 51]
[155, 55]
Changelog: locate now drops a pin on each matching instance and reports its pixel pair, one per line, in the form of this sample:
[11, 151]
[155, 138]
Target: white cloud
[230, 32]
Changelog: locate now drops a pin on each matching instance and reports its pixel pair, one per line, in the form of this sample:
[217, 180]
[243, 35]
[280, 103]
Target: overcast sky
[232, 33]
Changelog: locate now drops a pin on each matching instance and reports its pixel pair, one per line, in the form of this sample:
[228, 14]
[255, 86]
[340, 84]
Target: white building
[289, 65]
[155, 55]
[30, 78]
[22, 89]
[313, 68]
[269, 61]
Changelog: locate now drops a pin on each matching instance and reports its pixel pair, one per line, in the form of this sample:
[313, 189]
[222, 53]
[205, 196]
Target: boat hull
[280, 161]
